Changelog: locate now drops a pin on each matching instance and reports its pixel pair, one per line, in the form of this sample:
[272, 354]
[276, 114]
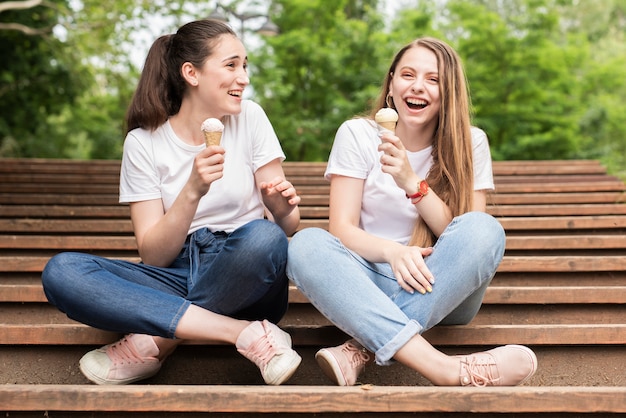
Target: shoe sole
[100, 381]
[291, 369]
[330, 367]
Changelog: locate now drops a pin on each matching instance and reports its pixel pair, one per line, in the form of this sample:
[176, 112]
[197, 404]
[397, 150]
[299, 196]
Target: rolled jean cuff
[179, 314]
[384, 356]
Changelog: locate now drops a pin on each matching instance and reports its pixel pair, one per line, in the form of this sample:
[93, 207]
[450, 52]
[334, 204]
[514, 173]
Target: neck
[187, 128]
[187, 122]
[415, 138]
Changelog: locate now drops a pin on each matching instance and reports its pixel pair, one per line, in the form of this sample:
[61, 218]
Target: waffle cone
[391, 126]
[212, 138]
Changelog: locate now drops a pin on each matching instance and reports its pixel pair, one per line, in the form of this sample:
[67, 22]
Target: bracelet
[422, 190]
[417, 199]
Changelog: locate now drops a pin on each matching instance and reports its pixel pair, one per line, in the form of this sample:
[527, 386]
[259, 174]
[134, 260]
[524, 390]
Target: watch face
[422, 190]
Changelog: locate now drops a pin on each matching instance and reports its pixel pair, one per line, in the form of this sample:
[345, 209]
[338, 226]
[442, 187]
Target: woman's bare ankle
[166, 346]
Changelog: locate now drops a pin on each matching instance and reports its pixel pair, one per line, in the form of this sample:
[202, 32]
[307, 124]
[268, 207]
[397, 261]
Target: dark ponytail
[161, 86]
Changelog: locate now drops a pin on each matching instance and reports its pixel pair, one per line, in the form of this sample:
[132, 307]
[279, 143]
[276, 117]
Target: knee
[485, 231]
[306, 240]
[55, 277]
[265, 237]
[305, 248]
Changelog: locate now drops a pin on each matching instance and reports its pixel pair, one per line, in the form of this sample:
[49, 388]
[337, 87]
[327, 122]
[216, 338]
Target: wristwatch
[422, 190]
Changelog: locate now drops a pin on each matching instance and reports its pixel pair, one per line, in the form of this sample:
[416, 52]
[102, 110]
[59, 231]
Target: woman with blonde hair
[409, 243]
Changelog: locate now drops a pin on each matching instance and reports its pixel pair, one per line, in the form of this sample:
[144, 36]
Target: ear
[189, 73]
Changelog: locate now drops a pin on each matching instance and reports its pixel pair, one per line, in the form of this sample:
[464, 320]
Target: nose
[243, 78]
[418, 85]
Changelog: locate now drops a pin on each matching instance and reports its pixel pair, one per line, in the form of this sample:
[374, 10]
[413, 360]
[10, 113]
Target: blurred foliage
[547, 77]
[323, 68]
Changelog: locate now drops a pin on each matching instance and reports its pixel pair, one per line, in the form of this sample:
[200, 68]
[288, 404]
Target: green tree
[37, 75]
[324, 68]
[603, 81]
[548, 77]
[522, 76]
[64, 94]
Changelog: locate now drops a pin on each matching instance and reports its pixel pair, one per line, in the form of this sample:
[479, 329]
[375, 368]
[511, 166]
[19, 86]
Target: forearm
[368, 246]
[290, 222]
[161, 243]
[435, 213]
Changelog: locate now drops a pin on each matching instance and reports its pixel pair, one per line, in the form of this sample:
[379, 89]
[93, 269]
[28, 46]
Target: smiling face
[223, 77]
[414, 87]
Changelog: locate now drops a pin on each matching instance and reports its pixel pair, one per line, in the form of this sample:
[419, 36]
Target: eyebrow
[408, 67]
[233, 57]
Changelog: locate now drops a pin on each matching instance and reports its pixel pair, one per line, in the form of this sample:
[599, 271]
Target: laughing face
[223, 77]
[415, 88]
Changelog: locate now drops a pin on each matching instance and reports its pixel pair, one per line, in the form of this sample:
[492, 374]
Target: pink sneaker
[269, 347]
[132, 358]
[509, 365]
[344, 363]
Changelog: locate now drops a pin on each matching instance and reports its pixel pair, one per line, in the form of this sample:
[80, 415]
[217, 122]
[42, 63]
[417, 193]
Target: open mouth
[235, 93]
[416, 104]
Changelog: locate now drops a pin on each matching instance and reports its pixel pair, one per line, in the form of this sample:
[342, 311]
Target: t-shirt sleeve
[483, 171]
[138, 178]
[266, 146]
[349, 155]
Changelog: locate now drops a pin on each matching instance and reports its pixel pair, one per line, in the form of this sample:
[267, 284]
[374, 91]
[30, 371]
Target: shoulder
[251, 108]
[252, 116]
[361, 123]
[137, 138]
[144, 138]
[478, 135]
[358, 127]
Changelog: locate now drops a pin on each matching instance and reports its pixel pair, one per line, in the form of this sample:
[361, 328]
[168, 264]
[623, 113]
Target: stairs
[560, 289]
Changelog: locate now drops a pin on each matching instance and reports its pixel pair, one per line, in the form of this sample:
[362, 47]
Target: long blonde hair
[451, 175]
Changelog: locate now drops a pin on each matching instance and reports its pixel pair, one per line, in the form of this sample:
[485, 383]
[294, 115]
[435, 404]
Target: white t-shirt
[385, 210]
[156, 165]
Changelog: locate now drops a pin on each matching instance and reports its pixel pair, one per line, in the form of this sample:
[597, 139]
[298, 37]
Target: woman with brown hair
[213, 267]
[410, 245]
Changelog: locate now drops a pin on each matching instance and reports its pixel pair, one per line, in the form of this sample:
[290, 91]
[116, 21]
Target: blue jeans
[241, 275]
[364, 299]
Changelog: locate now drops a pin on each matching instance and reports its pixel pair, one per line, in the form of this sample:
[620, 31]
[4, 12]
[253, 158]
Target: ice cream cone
[212, 129]
[387, 118]
[390, 126]
[212, 138]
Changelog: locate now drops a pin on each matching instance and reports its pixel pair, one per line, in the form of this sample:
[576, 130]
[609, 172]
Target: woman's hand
[208, 166]
[279, 196]
[395, 162]
[410, 270]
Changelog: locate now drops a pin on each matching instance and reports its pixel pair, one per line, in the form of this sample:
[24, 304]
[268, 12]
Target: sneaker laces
[357, 356]
[480, 373]
[263, 350]
[124, 352]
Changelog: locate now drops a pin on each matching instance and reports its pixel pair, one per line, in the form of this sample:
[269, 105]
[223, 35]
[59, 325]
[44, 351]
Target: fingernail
[429, 289]
[422, 291]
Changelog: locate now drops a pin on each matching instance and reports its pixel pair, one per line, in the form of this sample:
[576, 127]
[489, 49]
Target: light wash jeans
[241, 275]
[364, 299]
